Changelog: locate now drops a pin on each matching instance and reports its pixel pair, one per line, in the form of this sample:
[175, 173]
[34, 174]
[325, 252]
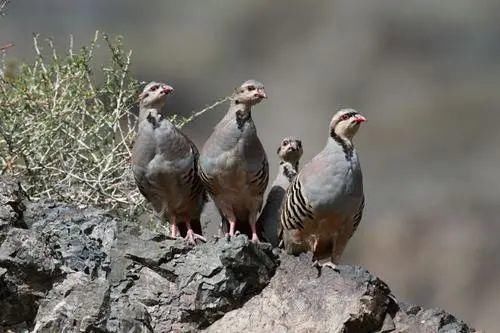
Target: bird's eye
[345, 116]
[299, 144]
[285, 142]
[251, 88]
[153, 88]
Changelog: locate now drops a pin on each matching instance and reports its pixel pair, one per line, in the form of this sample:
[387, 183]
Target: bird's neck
[289, 169]
[239, 114]
[238, 107]
[343, 142]
[145, 112]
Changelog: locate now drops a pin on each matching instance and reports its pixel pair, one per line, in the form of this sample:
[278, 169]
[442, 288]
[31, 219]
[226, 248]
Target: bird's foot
[228, 235]
[320, 266]
[164, 233]
[191, 237]
[255, 238]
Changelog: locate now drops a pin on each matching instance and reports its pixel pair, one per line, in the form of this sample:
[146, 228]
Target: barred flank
[295, 210]
[262, 178]
[357, 217]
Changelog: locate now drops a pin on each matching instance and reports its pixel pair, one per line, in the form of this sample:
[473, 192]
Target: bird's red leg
[174, 230]
[253, 227]
[231, 219]
[232, 227]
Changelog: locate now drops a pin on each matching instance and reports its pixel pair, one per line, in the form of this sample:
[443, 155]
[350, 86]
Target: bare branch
[6, 46]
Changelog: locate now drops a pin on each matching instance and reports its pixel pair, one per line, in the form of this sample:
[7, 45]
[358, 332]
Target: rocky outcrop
[70, 269]
[348, 300]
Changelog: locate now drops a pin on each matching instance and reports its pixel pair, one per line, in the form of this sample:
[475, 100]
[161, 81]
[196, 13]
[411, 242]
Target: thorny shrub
[67, 128]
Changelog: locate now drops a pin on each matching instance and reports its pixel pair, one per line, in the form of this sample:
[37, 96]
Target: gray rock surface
[11, 206]
[70, 269]
[297, 300]
[348, 300]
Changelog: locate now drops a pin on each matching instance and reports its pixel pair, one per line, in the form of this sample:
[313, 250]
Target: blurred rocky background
[425, 74]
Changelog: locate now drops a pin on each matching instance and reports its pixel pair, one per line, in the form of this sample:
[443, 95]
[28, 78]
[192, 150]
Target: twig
[6, 46]
[195, 115]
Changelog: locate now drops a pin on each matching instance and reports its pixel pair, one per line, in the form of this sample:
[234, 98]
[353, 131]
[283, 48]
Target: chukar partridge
[324, 204]
[233, 163]
[165, 166]
[289, 152]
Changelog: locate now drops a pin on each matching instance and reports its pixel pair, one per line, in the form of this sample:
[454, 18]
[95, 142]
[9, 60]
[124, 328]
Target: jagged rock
[412, 318]
[81, 237]
[62, 239]
[350, 300]
[11, 206]
[297, 300]
[185, 289]
[70, 269]
[73, 305]
[28, 268]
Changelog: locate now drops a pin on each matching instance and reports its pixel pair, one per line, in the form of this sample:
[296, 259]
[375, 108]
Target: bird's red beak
[262, 93]
[167, 89]
[359, 118]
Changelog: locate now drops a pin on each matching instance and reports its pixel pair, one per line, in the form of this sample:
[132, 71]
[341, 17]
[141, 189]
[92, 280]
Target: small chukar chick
[233, 163]
[164, 163]
[289, 152]
[324, 204]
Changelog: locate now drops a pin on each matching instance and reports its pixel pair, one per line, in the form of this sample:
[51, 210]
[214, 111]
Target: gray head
[250, 93]
[154, 95]
[290, 150]
[345, 123]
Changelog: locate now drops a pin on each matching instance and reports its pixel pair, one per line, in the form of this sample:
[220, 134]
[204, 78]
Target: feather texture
[233, 163]
[324, 204]
[165, 167]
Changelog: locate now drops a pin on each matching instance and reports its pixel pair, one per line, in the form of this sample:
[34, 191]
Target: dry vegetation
[67, 127]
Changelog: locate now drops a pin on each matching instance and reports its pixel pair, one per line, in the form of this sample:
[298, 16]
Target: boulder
[79, 269]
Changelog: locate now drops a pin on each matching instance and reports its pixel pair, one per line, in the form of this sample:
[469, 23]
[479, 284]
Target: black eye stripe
[251, 88]
[153, 88]
[348, 115]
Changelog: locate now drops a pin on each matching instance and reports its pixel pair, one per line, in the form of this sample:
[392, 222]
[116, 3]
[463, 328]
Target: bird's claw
[255, 239]
[192, 237]
[228, 235]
